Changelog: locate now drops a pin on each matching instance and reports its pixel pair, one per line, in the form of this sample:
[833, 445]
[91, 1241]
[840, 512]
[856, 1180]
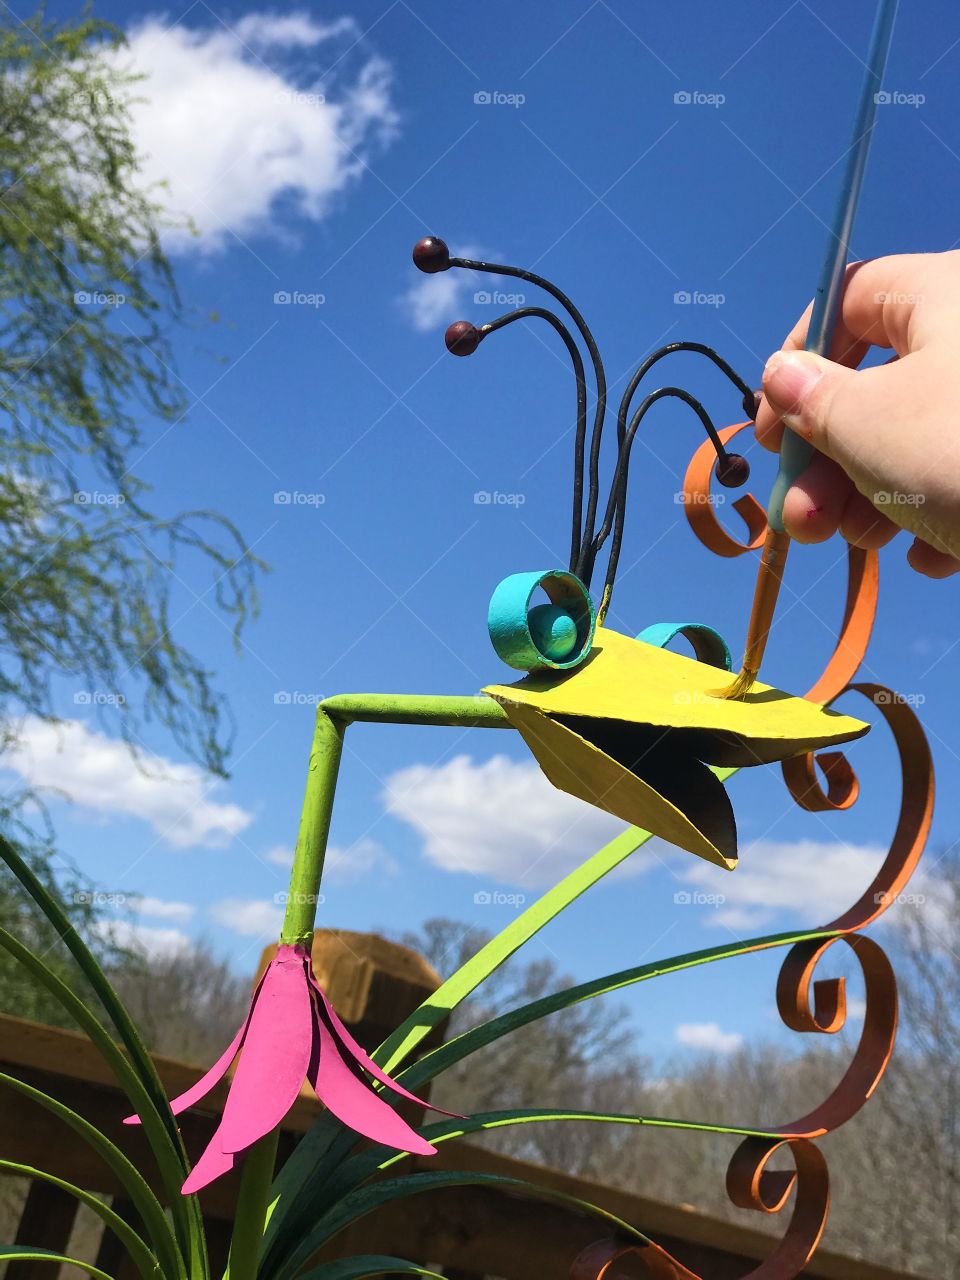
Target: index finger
[878, 307]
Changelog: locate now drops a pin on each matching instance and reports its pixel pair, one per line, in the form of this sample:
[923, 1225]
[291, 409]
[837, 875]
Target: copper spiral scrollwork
[807, 1004]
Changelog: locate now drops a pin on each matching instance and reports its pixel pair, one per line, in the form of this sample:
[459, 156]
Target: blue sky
[313, 150]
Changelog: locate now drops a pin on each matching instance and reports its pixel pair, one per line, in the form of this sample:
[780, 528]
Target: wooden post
[46, 1221]
[372, 983]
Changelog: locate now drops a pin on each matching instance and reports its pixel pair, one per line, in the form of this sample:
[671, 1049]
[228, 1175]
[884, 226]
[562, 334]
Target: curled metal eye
[555, 634]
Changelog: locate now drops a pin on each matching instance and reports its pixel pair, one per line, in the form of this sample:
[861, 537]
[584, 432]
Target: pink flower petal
[276, 1054]
[216, 1073]
[213, 1164]
[357, 1105]
[357, 1051]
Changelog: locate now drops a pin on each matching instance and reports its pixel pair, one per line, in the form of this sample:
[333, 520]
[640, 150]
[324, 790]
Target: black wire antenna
[431, 255]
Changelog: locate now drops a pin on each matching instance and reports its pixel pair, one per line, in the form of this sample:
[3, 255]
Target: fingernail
[789, 378]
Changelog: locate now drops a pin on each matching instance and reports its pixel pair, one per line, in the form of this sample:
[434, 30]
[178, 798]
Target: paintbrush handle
[795, 452]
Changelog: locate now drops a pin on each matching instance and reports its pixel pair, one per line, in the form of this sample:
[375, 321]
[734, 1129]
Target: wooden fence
[467, 1233]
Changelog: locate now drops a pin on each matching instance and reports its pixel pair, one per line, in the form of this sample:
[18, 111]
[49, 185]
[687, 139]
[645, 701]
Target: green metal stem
[333, 717]
[478, 712]
[250, 1218]
[325, 753]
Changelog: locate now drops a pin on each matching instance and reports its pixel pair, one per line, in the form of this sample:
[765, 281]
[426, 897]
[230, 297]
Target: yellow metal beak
[635, 727]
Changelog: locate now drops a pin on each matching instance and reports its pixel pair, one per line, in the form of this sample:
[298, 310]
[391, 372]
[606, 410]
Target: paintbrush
[795, 452]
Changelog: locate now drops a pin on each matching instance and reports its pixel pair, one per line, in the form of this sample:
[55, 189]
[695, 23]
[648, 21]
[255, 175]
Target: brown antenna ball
[431, 255]
[733, 470]
[462, 338]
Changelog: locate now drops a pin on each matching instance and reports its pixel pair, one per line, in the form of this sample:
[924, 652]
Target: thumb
[849, 415]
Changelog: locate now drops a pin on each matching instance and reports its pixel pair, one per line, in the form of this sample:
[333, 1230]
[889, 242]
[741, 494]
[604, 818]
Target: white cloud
[100, 774]
[501, 818]
[358, 861]
[280, 855]
[160, 909]
[231, 136]
[250, 917]
[435, 301]
[809, 880]
[708, 1036]
[289, 30]
[856, 1008]
[363, 858]
[804, 882]
[152, 942]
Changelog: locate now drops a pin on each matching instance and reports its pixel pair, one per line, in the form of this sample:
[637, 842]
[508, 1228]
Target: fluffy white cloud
[152, 942]
[856, 1008]
[160, 909]
[100, 774]
[271, 30]
[365, 857]
[231, 136]
[500, 818]
[707, 1036]
[362, 859]
[280, 855]
[435, 301]
[432, 301]
[250, 917]
[808, 880]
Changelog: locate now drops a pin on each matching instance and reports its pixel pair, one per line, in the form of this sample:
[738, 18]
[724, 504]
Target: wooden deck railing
[470, 1233]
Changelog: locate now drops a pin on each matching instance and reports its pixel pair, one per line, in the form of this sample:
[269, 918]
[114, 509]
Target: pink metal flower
[292, 1034]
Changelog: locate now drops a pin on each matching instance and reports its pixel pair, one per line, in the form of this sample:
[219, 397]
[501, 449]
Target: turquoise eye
[555, 633]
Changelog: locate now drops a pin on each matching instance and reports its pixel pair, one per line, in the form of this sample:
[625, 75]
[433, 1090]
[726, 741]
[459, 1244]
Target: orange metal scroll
[807, 1004]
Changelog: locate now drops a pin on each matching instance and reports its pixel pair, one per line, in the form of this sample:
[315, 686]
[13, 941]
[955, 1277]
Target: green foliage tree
[574, 1058]
[87, 570]
[20, 916]
[87, 299]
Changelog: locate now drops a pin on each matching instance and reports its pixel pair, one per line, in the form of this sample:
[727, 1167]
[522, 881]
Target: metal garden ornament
[625, 723]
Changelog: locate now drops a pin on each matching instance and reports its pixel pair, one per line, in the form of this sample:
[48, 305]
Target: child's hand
[888, 437]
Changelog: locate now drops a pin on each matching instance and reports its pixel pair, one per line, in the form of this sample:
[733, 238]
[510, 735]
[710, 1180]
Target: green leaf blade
[143, 1259]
